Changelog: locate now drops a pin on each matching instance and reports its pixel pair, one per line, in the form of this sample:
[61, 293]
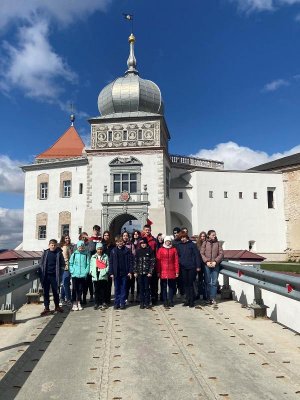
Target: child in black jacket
[144, 264]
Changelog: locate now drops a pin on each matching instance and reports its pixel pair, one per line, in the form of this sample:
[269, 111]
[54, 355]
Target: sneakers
[214, 303]
[104, 306]
[80, 308]
[58, 309]
[45, 312]
[75, 307]
[96, 306]
[60, 303]
[69, 303]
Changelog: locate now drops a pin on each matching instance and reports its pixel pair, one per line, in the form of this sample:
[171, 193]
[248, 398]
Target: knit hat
[80, 243]
[99, 246]
[168, 238]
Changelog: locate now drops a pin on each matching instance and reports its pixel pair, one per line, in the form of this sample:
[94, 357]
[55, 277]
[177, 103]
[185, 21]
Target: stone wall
[291, 181]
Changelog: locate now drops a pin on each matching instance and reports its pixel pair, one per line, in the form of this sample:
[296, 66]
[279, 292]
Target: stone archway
[180, 221]
[117, 223]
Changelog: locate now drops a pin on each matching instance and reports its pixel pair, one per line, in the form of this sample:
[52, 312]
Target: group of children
[176, 261]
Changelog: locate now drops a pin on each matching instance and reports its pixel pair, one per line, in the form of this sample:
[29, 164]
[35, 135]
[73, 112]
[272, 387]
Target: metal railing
[16, 279]
[282, 284]
[196, 162]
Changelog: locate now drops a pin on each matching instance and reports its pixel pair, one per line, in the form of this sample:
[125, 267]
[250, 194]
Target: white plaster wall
[237, 221]
[76, 205]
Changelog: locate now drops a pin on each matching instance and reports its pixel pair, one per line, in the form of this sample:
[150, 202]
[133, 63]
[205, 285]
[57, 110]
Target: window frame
[44, 190]
[210, 194]
[40, 232]
[66, 190]
[123, 181]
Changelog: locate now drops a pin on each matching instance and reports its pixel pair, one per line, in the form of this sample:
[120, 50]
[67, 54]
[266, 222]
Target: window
[67, 188]
[167, 182]
[255, 195]
[109, 136]
[127, 181]
[42, 232]
[43, 190]
[80, 188]
[225, 195]
[140, 134]
[124, 135]
[240, 195]
[180, 195]
[79, 230]
[270, 194]
[210, 194]
[65, 229]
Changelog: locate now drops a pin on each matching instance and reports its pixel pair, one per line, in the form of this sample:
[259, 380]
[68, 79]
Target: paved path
[179, 353]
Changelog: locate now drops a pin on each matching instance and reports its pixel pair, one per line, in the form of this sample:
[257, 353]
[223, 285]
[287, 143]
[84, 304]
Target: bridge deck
[160, 354]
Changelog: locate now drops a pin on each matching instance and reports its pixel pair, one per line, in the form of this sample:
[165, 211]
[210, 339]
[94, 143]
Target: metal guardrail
[282, 284]
[20, 277]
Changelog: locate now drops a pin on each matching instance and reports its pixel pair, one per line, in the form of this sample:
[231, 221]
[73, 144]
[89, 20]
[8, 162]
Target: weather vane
[129, 17]
[72, 116]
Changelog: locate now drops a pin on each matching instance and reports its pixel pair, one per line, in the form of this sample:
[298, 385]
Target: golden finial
[131, 38]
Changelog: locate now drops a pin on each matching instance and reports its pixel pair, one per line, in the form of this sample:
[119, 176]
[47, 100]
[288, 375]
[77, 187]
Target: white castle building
[129, 176]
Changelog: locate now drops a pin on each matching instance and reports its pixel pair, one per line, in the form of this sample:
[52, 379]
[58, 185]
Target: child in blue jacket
[79, 266]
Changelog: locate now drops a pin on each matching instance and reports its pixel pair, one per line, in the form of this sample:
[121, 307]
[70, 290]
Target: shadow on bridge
[15, 378]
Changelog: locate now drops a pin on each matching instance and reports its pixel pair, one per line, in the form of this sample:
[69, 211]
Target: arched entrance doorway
[122, 222]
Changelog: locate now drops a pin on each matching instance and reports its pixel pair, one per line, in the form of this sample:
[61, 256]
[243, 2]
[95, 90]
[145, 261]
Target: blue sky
[229, 72]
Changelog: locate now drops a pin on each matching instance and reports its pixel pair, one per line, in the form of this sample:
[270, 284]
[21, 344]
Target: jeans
[154, 287]
[171, 283]
[211, 281]
[50, 280]
[201, 288]
[78, 285]
[189, 275]
[100, 291]
[65, 288]
[108, 290]
[120, 290]
[144, 284]
[88, 285]
[130, 286]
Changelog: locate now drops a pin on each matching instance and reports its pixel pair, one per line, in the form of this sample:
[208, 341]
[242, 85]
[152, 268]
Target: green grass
[284, 267]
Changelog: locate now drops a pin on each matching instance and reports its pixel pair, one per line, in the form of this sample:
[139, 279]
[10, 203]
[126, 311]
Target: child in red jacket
[167, 270]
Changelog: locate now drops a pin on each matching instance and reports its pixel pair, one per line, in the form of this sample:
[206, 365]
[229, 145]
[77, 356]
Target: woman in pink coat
[167, 270]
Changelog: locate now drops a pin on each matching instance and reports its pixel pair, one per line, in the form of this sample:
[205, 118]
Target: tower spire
[131, 62]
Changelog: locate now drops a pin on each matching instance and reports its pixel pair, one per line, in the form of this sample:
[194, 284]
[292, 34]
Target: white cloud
[11, 222]
[240, 157]
[63, 11]
[33, 66]
[249, 6]
[275, 85]
[11, 176]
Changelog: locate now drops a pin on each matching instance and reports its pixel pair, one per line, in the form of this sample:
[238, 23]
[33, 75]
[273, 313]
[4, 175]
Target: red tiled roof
[69, 144]
[10, 255]
[242, 255]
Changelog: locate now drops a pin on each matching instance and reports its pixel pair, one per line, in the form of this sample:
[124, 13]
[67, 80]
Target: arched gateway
[117, 224]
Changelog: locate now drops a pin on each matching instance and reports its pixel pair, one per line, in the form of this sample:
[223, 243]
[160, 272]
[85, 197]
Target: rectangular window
[140, 134]
[42, 232]
[126, 181]
[167, 182]
[80, 188]
[255, 195]
[225, 195]
[65, 229]
[240, 195]
[210, 194]
[67, 188]
[43, 190]
[79, 230]
[180, 195]
[270, 194]
[109, 136]
[124, 135]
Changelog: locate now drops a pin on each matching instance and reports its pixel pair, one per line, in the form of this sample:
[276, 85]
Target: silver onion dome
[130, 94]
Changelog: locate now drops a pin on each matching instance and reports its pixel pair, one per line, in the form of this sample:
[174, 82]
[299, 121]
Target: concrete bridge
[178, 353]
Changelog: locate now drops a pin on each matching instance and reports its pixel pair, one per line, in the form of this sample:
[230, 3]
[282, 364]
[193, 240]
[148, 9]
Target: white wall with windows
[251, 214]
[56, 196]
